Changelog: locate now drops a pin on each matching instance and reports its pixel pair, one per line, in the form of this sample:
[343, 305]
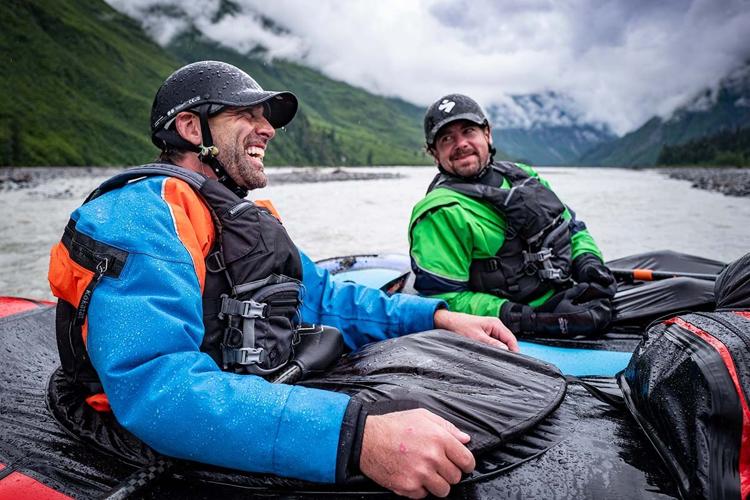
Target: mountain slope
[79, 77]
[337, 124]
[726, 107]
[74, 85]
[727, 148]
[545, 129]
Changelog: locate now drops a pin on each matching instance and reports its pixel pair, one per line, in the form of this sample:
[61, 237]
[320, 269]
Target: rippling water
[627, 211]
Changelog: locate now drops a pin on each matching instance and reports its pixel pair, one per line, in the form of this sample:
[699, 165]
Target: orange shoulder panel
[67, 279]
[192, 222]
[268, 206]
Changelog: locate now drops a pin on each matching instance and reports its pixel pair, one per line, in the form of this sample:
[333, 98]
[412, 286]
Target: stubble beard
[241, 167]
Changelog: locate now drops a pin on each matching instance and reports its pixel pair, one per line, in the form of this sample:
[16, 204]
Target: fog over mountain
[620, 61]
[725, 107]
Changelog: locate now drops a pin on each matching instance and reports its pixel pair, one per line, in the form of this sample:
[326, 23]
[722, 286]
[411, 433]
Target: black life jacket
[536, 254]
[251, 295]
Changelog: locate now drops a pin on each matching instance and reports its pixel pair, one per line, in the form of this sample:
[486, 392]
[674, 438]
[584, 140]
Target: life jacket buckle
[492, 265]
[248, 355]
[252, 309]
[544, 254]
[248, 309]
[551, 274]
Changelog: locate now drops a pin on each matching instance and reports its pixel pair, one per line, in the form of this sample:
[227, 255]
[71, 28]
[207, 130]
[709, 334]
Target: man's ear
[188, 126]
[431, 151]
[488, 134]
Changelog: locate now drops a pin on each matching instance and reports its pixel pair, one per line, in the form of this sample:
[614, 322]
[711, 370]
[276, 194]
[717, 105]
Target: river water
[627, 211]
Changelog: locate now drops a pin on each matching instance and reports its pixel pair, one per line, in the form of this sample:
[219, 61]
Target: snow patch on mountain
[540, 110]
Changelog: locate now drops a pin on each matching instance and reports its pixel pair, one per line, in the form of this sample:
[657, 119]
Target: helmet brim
[472, 117]
[281, 106]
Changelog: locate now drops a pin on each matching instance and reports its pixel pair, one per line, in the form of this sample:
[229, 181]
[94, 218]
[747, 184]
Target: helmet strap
[208, 154]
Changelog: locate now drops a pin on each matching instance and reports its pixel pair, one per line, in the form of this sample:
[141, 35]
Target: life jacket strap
[244, 308]
[242, 314]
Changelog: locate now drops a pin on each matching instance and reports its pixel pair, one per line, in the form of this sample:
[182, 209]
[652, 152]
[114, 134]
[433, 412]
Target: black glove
[588, 268]
[572, 312]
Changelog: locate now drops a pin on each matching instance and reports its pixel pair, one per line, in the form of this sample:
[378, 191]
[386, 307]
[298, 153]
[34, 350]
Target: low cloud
[622, 61]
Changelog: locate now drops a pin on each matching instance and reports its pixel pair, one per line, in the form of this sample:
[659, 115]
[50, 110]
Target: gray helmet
[449, 109]
[212, 85]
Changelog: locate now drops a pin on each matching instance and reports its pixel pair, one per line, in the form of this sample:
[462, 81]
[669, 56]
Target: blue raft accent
[578, 362]
[374, 277]
[571, 361]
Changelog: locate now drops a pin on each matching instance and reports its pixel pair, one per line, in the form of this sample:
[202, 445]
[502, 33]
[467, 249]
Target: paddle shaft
[651, 275]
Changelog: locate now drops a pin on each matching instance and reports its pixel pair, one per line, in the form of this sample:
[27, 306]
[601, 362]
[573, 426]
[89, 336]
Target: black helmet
[207, 87]
[217, 84]
[449, 109]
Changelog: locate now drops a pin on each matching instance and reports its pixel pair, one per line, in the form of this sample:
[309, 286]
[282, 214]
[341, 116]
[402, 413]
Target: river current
[627, 211]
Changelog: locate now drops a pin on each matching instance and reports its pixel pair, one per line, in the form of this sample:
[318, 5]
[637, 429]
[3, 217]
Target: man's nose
[265, 129]
[461, 142]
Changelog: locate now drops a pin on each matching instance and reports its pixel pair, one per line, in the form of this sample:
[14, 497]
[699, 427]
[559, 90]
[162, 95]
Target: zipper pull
[83, 306]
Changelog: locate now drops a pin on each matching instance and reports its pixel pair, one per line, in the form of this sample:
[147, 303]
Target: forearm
[480, 304]
[582, 242]
[362, 314]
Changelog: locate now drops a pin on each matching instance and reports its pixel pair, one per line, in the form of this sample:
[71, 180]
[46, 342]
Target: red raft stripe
[744, 314]
[16, 485]
[744, 466]
[14, 305]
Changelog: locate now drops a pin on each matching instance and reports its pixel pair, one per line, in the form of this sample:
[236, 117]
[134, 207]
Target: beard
[245, 170]
[467, 163]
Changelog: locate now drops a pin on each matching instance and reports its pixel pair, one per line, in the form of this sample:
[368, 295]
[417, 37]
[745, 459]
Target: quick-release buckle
[245, 308]
[252, 309]
[540, 256]
[248, 355]
[550, 274]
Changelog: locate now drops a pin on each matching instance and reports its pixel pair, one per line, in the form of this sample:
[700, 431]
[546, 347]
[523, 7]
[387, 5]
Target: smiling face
[242, 134]
[462, 148]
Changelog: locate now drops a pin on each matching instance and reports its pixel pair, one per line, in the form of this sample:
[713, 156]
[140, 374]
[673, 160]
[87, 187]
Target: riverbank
[729, 181]
[13, 178]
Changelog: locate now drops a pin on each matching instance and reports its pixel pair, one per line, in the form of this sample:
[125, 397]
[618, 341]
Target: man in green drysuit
[491, 237]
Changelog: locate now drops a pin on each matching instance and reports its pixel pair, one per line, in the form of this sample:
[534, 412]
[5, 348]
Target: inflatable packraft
[536, 432]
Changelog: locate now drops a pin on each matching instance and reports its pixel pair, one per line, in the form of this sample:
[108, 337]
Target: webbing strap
[244, 308]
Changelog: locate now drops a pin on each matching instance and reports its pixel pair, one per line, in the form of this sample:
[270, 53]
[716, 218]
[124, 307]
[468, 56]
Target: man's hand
[485, 329]
[588, 268]
[414, 453]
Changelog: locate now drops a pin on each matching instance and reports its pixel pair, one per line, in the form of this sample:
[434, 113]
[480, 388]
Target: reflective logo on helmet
[183, 105]
[173, 111]
[446, 106]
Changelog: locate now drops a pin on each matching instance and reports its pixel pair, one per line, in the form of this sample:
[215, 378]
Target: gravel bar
[730, 181]
[12, 178]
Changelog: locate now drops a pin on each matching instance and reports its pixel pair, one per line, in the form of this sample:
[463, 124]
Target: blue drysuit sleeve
[144, 333]
[363, 314]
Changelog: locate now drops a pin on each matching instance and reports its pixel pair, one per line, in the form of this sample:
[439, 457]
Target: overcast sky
[622, 61]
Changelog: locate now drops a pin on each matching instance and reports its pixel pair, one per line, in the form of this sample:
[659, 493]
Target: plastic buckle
[492, 265]
[540, 256]
[550, 274]
[248, 356]
[252, 309]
